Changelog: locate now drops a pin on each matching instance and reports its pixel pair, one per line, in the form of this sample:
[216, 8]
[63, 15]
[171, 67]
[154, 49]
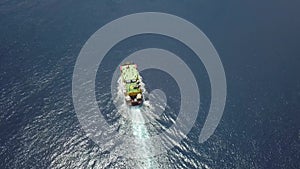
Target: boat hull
[132, 84]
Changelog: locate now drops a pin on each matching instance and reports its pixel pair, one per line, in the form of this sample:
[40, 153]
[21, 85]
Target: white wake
[137, 126]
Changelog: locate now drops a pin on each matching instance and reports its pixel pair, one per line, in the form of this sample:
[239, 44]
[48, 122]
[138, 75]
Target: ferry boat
[131, 80]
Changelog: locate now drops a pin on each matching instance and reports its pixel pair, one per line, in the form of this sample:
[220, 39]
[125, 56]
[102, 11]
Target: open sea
[258, 44]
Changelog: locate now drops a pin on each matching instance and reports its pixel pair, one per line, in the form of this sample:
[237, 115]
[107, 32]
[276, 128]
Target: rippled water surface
[257, 43]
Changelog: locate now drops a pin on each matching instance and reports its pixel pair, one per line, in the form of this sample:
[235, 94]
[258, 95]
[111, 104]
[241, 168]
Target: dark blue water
[257, 43]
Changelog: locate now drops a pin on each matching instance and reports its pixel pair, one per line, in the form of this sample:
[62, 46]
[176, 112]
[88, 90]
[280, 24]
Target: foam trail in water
[138, 127]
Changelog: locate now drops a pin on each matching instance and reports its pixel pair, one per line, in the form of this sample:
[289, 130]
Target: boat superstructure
[131, 80]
